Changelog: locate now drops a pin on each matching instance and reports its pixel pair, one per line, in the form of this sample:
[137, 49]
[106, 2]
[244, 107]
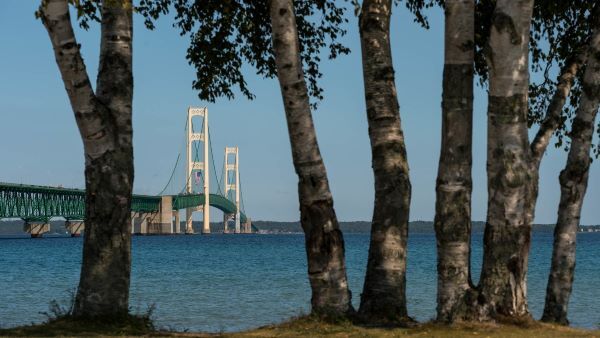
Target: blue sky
[40, 144]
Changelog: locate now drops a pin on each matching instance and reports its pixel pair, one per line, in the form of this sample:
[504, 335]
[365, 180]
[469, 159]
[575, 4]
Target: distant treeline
[12, 227]
[363, 226]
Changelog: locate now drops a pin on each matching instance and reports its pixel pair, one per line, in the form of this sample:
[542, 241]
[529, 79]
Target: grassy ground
[306, 327]
[302, 327]
[69, 327]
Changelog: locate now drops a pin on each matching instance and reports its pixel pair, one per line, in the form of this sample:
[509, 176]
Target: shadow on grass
[314, 326]
[129, 325]
[60, 322]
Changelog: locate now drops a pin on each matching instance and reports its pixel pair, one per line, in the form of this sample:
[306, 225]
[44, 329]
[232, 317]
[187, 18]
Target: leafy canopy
[560, 32]
[225, 35]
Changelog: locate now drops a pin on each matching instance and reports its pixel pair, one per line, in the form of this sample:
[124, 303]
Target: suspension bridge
[188, 190]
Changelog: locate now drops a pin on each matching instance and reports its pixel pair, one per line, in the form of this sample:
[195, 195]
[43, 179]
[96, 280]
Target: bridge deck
[39, 203]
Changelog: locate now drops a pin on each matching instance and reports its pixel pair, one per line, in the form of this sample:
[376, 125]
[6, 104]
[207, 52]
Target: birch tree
[507, 238]
[283, 39]
[562, 25]
[324, 241]
[454, 183]
[384, 293]
[513, 162]
[573, 182]
[104, 121]
[553, 22]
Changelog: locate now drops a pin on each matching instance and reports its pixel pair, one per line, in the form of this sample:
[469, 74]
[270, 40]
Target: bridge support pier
[162, 222]
[177, 228]
[133, 217]
[143, 224]
[237, 223]
[36, 229]
[247, 226]
[226, 218]
[75, 227]
[189, 226]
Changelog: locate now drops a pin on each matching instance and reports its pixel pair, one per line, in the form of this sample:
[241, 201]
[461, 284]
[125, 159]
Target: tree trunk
[104, 121]
[384, 293]
[554, 113]
[454, 183]
[324, 240]
[503, 288]
[573, 183]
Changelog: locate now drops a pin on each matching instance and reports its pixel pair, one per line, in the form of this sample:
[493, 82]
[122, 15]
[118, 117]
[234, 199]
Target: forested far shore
[414, 227]
[279, 227]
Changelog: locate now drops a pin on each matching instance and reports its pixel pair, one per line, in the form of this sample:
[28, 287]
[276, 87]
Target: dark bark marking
[504, 23]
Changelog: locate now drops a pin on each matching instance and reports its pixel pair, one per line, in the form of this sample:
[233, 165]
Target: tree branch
[553, 113]
[88, 111]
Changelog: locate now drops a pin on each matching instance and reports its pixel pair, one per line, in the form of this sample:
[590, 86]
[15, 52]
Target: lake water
[235, 282]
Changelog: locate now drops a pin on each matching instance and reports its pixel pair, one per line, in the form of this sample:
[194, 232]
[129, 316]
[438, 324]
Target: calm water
[215, 283]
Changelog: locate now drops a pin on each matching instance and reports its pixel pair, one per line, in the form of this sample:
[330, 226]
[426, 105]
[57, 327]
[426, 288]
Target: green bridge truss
[40, 203]
[217, 201]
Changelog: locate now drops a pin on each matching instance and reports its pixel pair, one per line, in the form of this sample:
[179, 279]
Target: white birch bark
[573, 182]
[503, 288]
[104, 122]
[384, 293]
[454, 182]
[324, 240]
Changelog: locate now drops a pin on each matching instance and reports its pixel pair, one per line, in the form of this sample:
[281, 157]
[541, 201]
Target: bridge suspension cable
[39, 203]
[172, 174]
[212, 159]
[183, 181]
[171, 187]
[241, 196]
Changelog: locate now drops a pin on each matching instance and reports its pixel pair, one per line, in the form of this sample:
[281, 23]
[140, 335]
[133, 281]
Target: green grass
[310, 327]
[300, 327]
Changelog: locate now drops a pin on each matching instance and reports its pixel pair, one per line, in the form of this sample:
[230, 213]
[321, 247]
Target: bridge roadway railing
[40, 203]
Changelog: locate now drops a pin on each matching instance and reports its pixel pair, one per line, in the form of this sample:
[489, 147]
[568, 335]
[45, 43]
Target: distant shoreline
[414, 227]
[13, 229]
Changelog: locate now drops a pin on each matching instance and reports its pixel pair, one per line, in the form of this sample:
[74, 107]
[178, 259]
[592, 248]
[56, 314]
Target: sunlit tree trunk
[573, 183]
[503, 288]
[513, 173]
[104, 122]
[324, 240]
[554, 111]
[454, 183]
[384, 293]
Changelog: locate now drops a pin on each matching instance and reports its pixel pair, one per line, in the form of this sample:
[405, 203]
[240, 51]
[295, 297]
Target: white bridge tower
[195, 167]
[232, 170]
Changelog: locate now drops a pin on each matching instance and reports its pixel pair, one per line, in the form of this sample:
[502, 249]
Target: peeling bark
[573, 183]
[454, 182]
[384, 293]
[507, 237]
[553, 114]
[104, 122]
[323, 237]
